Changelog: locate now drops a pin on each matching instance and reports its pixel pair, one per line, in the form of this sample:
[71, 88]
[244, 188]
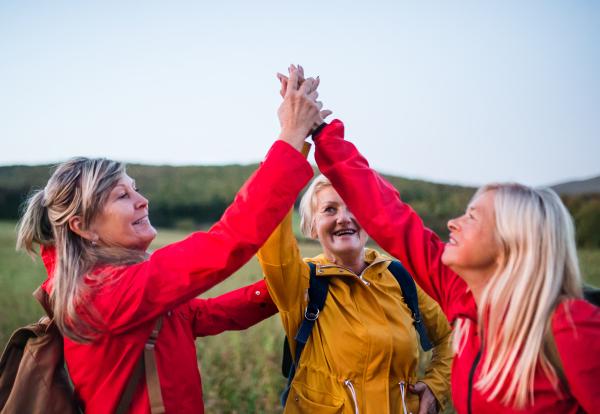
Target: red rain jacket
[167, 284]
[399, 231]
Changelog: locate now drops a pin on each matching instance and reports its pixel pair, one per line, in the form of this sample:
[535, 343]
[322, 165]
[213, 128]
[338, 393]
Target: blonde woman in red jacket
[107, 293]
[508, 281]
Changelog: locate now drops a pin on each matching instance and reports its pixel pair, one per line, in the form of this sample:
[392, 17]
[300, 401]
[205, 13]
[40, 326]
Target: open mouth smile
[142, 221]
[344, 232]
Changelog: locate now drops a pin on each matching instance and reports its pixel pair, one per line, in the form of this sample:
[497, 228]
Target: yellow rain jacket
[365, 334]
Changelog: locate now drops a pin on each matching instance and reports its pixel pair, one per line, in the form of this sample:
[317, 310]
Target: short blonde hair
[308, 205]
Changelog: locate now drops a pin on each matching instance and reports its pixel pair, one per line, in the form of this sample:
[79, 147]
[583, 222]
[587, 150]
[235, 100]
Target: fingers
[307, 86]
[418, 388]
[301, 70]
[292, 84]
[313, 95]
[316, 84]
[319, 105]
[325, 113]
[284, 85]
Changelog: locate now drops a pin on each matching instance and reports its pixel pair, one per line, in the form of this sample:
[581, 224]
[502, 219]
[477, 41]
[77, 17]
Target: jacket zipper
[363, 272]
[471, 375]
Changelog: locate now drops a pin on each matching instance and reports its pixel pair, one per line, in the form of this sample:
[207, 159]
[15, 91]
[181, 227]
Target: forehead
[484, 203]
[328, 194]
[125, 180]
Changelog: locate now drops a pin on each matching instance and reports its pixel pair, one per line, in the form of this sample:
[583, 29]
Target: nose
[453, 225]
[141, 201]
[344, 216]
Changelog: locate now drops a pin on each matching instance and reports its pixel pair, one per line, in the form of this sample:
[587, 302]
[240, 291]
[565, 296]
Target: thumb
[418, 388]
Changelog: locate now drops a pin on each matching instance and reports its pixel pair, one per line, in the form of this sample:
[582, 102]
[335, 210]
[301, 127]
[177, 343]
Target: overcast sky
[450, 91]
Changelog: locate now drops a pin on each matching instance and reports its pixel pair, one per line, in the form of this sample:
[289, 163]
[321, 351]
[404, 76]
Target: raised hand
[299, 111]
[284, 83]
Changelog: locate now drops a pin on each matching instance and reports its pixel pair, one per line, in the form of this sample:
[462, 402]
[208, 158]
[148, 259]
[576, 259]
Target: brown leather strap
[147, 361]
[42, 296]
[152, 380]
[130, 389]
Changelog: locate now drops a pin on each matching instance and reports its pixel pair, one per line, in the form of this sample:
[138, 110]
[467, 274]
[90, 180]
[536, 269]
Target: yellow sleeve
[283, 268]
[437, 375]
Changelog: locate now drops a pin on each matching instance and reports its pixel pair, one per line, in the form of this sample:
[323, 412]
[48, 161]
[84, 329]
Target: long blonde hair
[78, 187]
[539, 269]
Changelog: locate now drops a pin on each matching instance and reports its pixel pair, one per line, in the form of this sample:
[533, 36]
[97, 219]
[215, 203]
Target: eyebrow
[329, 202]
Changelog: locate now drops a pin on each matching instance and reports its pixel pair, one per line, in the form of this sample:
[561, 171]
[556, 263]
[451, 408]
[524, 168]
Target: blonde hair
[78, 187]
[539, 269]
[308, 205]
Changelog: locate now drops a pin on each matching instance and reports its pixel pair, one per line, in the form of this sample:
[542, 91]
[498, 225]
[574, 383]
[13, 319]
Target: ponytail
[35, 226]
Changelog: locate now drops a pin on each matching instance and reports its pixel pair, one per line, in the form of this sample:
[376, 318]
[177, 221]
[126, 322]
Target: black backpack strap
[409, 291]
[317, 295]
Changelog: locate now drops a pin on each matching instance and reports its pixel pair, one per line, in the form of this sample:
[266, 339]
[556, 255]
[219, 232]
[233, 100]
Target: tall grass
[241, 371]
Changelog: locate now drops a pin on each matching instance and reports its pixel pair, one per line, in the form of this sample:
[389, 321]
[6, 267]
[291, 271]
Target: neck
[476, 280]
[354, 261]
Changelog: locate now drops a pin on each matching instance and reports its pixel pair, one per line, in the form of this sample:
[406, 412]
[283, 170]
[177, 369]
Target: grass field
[240, 370]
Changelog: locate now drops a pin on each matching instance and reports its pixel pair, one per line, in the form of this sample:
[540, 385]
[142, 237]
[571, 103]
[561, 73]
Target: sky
[465, 92]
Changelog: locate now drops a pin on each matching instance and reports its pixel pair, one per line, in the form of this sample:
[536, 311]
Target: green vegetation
[240, 370]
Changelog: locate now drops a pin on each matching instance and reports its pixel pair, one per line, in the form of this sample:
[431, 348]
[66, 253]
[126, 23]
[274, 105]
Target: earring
[94, 243]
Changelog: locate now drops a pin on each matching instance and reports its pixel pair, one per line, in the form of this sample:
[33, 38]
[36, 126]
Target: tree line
[194, 197]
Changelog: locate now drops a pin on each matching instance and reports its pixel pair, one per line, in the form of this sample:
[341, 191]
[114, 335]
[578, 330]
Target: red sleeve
[392, 224]
[576, 326]
[233, 311]
[181, 271]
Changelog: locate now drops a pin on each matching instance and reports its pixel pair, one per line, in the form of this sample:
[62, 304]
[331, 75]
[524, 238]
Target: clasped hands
[300, 113]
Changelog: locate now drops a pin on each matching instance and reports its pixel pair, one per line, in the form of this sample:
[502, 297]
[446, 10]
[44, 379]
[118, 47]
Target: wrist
[293, 137]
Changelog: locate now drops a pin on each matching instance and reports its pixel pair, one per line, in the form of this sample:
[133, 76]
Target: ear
[313, 233]
[76, 226]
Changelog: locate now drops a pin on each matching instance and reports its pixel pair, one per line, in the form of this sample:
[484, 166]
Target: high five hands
[300, 113]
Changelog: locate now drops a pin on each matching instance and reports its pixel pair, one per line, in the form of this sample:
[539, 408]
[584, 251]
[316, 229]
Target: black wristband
[317, 131]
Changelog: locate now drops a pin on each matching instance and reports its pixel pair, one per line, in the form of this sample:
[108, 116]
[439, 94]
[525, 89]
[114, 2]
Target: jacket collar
[49, 258]
[376, 260]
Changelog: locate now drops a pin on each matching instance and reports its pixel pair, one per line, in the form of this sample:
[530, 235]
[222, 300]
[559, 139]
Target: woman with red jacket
[107, 292]
[508, 281]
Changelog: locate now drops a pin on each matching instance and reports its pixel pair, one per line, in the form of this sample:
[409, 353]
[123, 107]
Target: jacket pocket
[303, 399]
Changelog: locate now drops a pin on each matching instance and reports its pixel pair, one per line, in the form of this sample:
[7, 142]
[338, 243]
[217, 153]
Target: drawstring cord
[402, 388]
[348, 384]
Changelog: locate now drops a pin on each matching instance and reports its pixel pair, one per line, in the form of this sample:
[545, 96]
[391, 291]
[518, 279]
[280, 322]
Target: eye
[123, 196]
[329, 210]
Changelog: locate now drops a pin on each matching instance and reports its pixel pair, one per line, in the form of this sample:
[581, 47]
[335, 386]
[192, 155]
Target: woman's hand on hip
[428, 403]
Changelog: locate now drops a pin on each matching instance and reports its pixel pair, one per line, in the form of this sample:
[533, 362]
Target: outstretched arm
[233, 311]
[392, 224]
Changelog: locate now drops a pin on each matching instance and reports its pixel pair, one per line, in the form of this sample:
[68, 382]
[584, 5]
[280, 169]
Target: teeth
[144, 220]
[343, 232]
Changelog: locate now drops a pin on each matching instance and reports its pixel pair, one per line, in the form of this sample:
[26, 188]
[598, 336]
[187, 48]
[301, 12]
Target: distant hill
[591, 185]
[195, 195]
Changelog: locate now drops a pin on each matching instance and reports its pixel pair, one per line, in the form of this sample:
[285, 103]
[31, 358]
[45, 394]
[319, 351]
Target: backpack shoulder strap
[317, 295]
[148, 362]
[409, 291]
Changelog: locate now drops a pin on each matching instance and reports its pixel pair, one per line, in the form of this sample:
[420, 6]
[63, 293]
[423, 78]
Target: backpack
[34, 380]
[317, 293]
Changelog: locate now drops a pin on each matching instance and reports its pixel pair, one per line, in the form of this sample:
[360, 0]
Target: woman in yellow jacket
[362, 354]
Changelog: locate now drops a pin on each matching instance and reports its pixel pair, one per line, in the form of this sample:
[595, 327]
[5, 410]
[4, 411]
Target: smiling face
[473, 248]
[124, 222]
[336, 228]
